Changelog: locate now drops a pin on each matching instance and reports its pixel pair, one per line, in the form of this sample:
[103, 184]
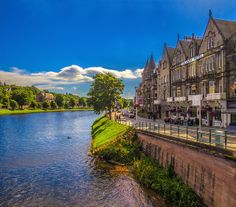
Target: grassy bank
[116, 142]
[111, 141]
[29, 111]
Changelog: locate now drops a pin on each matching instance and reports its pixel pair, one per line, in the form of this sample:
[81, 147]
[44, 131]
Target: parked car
[131, 115]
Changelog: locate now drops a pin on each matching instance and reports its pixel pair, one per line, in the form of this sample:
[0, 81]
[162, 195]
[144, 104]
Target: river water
[44, 161]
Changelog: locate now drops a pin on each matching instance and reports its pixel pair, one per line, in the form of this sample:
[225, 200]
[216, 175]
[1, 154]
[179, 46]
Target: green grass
[113, 141]
[29, 111]
[126, 150]
[105, 131]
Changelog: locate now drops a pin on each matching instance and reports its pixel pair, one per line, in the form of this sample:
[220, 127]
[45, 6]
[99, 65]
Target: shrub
[165, 182]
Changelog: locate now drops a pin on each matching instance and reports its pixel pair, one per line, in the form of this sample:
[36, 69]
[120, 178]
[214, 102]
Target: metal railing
[219, 138]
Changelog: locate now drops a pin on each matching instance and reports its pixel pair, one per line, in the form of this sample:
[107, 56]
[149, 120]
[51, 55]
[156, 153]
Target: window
[210, 43]
[193, 89]
[210, 64]
[178, 91]
[220, 60]
[211, 86]
[192, 51]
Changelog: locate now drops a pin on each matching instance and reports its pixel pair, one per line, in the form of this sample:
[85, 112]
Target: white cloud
[69, 75]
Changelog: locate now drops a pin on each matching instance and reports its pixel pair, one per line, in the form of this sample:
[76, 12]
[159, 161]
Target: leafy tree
[131, 103]
[66, 105]
[39, 105]
[125, 103]
[5, 102]
[23, 97]
[13, 104]
[60, 100]
[72, 102]
[46, 105]
[83, 101]
[104, 92]
[33, 104]
[53, 104]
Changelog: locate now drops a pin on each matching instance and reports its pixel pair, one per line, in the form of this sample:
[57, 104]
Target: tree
[53, 105]
[83, 101]
[46, 104]
[60, 100]
[33, 104]
[13, 104]
[22, 96]
[72, 102]
[125, 103]
[66, 105]
[5, 102]
[105, 92]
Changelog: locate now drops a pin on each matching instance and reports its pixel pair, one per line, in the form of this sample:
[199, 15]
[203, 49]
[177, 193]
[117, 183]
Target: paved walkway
[215, 137]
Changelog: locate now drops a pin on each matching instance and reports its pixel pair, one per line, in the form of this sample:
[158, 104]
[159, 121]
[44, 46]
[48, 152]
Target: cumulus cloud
[69, 75]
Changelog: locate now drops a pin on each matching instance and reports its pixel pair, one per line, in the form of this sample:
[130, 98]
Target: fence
[219, 138]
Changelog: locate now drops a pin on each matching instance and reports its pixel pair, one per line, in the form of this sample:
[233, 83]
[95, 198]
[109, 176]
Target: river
[44, 161]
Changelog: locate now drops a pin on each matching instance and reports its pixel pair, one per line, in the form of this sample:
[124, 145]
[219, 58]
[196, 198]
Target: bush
[165, 182]
[124, 151]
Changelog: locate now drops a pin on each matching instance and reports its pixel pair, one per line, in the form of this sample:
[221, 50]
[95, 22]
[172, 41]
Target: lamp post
[200, 115]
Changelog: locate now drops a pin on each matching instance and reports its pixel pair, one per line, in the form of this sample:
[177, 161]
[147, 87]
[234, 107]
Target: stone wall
[211, 176]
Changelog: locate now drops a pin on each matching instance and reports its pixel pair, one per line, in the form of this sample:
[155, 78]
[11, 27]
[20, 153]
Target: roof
[151, 64]
[227, 28]
[185, 45]
[170, 52]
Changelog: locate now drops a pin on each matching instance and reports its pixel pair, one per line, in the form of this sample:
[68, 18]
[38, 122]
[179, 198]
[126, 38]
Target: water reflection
[40, 166]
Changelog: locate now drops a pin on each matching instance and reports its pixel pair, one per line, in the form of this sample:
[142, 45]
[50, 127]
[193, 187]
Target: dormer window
[178, 57]
[210, 43]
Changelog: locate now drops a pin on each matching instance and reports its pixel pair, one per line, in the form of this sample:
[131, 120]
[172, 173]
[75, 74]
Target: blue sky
[60, 44]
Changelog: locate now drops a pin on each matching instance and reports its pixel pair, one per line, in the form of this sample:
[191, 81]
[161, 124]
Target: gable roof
[226, 27]
[170, 53]
[185, 46]
[151, 63]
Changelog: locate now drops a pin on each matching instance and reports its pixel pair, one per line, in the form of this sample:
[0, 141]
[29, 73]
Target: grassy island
[117, 143]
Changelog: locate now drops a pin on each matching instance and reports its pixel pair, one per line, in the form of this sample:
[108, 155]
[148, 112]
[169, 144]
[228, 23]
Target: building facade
[199, 74]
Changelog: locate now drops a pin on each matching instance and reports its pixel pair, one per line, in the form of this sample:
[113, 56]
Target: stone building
[43, 96]
[215, 67]
[145, 89]
[164, 80]
[196, 69]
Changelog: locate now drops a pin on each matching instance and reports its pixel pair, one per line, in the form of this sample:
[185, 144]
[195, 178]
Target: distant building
[43, 96]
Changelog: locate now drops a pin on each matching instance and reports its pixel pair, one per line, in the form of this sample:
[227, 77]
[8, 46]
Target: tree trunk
[109, 113]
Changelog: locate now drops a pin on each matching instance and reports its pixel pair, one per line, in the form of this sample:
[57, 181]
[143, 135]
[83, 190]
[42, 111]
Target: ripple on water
[40, 167]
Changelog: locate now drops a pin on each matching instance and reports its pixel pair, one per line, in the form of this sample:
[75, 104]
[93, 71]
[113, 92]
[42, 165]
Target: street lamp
[136, 104]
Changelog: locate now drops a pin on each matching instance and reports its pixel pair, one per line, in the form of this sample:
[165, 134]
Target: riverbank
[117, 143]
[30, 111]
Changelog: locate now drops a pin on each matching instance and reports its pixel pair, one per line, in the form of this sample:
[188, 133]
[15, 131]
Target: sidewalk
[215, 136]
[204, 128]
